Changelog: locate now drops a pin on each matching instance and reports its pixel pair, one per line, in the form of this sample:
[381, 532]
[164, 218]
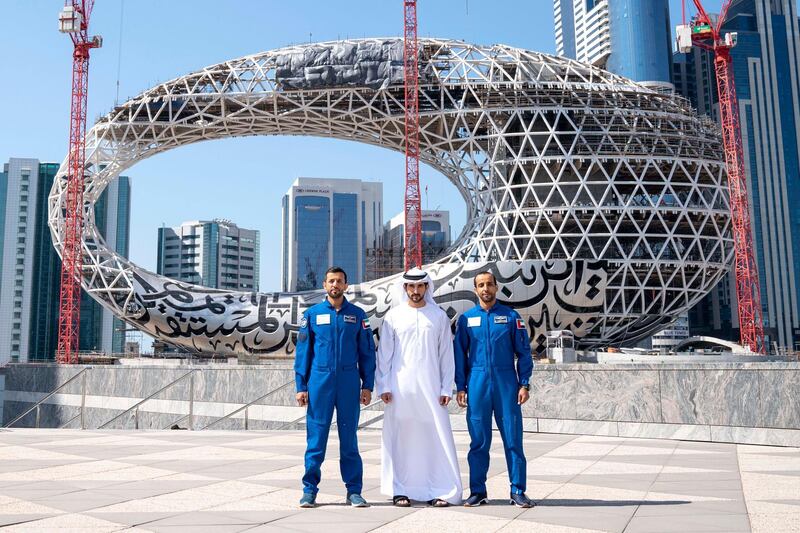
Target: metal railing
[371, 421]
[246, 406]
[361, 426]
[135, 407]
[37, 406]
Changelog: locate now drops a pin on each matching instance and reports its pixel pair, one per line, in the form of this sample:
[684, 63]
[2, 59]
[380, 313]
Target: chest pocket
[348, 329]
[499, 327]
[479, 352]
[500, 332]
[323, 342]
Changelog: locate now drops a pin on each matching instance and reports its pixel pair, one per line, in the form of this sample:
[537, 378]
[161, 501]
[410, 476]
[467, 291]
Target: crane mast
[413, 199]
[706, 33]
[74, 20]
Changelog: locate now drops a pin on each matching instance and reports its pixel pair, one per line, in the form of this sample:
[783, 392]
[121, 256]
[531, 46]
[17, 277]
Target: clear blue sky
[239, 179]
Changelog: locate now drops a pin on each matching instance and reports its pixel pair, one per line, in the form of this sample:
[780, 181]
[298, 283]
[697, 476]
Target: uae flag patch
[520, 324]
[365, 323]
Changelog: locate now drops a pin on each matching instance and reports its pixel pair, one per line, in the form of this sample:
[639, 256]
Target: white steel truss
[554, 159]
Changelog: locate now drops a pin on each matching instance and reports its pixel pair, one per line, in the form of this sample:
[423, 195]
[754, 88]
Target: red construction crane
[413, 207]
[74, 20]
[706, 33]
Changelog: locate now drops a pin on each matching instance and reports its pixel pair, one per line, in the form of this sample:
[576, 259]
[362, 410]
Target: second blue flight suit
[335, 359]
[486, 344]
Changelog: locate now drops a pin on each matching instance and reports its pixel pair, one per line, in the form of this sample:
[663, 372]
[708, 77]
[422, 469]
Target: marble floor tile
[235, 481]
[587, 519]
[696, 484]
[72, 522]
[775, 522]
[716, 523]
[198, 528]
[691, 508]
[7, 520]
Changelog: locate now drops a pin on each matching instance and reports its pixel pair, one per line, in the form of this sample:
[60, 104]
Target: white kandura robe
[416, 364]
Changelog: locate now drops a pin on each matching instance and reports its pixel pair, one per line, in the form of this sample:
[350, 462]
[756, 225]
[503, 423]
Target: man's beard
[334, 293]
[416, 298]
[487, 298]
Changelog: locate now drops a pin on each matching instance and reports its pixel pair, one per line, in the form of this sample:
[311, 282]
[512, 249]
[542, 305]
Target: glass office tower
[30, 269]
[329, 222]
[631, 38]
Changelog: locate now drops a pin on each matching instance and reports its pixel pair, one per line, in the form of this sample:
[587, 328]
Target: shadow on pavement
[557, 502]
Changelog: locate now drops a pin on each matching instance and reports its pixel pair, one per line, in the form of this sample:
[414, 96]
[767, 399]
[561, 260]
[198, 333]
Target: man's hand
[523, 395]
[366, 396]
[444, 400]
[386, 397]
[461, 398]
[302, 399]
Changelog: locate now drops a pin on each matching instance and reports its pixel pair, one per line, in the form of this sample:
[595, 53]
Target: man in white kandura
[415, 380]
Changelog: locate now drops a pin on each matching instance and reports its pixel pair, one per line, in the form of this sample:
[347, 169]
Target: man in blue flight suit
[488, 336]
[334, 367]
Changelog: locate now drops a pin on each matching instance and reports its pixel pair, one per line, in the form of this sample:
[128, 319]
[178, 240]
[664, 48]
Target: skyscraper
[30, 269]
[694, 78]
[329, 222]
[766, 63]
[435, 241]
[100, 330]
[215, 253]
[631, 38]
[666, 339]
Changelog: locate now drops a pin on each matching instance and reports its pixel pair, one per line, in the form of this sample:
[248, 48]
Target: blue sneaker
[476, 499]
[355, 500]
[520, 500]
[308, 500]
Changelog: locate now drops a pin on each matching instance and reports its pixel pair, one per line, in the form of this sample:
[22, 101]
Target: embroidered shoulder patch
[365, 323]
[520, 324]
[303, 322]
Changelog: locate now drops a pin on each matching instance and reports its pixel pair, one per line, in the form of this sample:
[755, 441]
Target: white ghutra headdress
[415, 275]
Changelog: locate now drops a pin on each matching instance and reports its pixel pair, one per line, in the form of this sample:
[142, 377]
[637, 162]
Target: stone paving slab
[232, 481]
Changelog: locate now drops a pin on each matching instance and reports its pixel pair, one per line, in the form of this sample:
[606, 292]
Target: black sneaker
[520, 500]
[475, 500]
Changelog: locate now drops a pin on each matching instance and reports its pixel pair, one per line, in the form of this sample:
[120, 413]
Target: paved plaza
[170, 481]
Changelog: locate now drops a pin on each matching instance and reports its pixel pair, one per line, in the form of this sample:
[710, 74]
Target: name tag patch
[501, 320]
[350, 319]
[473, 321]
[323, 320]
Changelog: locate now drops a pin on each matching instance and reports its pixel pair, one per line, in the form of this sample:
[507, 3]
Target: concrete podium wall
[754, 403]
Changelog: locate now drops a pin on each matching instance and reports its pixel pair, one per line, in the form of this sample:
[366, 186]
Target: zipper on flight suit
[337, 340]
[490, 350]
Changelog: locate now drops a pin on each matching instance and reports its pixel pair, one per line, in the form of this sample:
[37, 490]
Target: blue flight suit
[485, 345]
[335, 359]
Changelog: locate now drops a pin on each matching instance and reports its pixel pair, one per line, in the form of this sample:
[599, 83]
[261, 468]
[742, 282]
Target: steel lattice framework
[554, 159]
